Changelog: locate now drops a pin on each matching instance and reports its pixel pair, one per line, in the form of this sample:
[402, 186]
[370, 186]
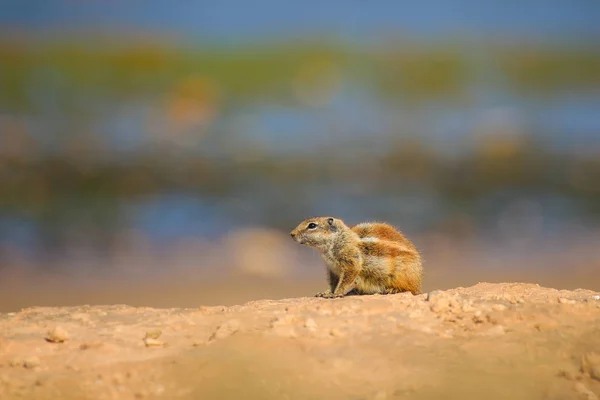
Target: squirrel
[368, 258]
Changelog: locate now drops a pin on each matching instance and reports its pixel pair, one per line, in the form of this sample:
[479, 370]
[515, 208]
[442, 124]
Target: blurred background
[158, 153]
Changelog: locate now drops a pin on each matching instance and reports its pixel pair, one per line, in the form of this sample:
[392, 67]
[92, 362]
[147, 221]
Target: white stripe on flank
[370, 239]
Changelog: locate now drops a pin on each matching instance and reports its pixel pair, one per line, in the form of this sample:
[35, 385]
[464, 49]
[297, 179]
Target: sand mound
[500, 341]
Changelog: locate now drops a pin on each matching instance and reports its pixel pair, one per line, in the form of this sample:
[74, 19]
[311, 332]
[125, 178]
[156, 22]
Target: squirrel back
[382, 231]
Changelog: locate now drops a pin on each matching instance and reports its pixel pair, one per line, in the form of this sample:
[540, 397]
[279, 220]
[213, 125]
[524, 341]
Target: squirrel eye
[312, 225]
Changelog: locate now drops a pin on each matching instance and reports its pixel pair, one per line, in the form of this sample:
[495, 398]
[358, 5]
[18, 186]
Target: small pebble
[282, 321]
[454, 306]
[310, 324]
[91, 345]
[226, 329]
[337, 333]
[149, 342]
[57, 335]
[544, 326]
[155, 334]
[478, 317]
[440, 305]
[498, 307]
[436, 294]
[31, 362]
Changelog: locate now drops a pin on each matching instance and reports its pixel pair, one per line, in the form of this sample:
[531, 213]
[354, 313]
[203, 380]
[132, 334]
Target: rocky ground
[498, 341]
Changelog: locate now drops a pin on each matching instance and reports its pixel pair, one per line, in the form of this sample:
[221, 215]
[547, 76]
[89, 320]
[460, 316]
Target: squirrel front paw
[332, 295]
[323, 294]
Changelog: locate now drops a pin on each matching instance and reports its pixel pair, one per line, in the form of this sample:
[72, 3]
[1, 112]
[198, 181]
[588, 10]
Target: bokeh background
[158, 153]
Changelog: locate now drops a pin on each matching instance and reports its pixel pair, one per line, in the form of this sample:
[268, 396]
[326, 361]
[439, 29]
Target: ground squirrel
[369, 258]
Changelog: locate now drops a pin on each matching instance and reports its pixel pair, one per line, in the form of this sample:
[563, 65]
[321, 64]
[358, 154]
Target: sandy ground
[496, 341]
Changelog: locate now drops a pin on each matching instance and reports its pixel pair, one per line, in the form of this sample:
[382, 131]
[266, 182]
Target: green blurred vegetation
[546, 70]
[263, 72]
[139, 70]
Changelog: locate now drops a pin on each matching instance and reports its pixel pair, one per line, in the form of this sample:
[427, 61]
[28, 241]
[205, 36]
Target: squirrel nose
[293, 234]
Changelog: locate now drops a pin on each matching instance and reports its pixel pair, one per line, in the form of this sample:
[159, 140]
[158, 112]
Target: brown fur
[380, 230]
[371, 257]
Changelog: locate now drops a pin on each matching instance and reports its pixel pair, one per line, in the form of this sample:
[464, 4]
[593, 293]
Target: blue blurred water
[167, 218]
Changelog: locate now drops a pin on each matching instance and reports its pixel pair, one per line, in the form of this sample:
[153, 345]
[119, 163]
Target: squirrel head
[318, 232]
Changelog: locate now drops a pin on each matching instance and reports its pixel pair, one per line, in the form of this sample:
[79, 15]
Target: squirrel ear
[332, 226]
